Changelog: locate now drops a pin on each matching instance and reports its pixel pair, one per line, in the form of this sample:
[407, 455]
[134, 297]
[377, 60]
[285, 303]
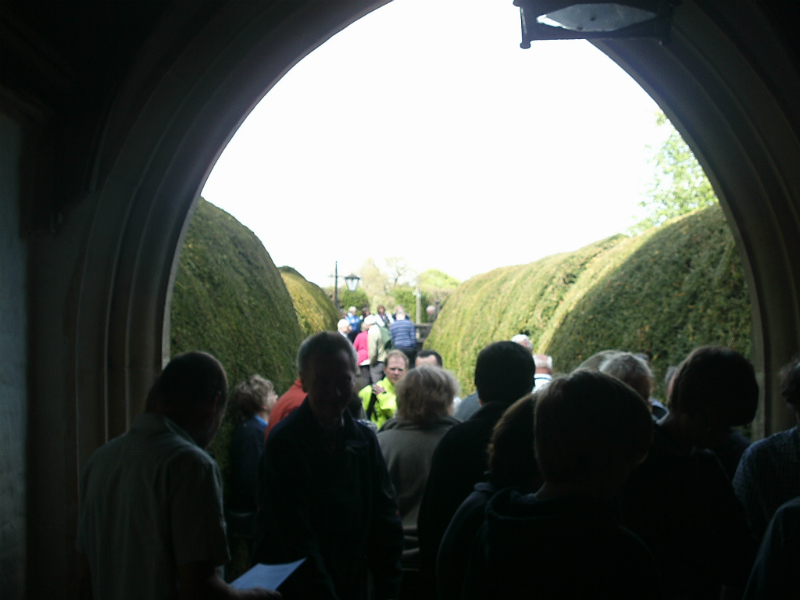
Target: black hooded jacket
[563, 548]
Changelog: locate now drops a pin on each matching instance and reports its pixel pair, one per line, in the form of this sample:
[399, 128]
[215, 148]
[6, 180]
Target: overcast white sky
[424, 131]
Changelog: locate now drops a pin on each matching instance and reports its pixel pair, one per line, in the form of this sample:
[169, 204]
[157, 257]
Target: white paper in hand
[264, 576]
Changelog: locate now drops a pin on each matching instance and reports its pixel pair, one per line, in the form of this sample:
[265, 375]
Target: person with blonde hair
[424, 415]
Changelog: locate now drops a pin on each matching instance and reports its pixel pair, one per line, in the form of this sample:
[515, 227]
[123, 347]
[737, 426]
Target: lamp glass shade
[596, 17]
[352, 282]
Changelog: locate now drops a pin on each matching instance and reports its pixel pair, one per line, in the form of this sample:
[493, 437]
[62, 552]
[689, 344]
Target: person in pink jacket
[360, 344]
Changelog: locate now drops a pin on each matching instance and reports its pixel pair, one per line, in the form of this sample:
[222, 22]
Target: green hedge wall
[663, 292]
[230, 300]
[315, 311]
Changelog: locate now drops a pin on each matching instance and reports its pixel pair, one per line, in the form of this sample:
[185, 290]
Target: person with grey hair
[424, 408]
[344, 328]
[523, 340]
[151, 518]
[632, 370]
[324, 492]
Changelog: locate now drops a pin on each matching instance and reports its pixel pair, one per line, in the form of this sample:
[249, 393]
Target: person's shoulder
[776, 440]
[288, 429]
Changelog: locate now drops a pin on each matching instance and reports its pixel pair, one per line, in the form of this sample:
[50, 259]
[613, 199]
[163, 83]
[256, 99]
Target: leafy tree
[435, 286]
[374, 282]
[398, 270]
[679, 184]
[359, 299]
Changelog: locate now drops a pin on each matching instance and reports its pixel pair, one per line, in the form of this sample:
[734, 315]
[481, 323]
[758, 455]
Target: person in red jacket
[293, 398]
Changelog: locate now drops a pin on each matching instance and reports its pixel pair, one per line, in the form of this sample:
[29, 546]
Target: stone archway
[99, 290]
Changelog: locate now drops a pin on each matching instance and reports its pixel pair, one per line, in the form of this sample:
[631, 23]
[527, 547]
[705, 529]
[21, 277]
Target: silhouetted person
[470, 405]
[680, 501]
[255, 398]
[591, 431]
[776, 572]
[512, 463]
[324, 492]
[769, 472]
[503, 374]
[151, 522]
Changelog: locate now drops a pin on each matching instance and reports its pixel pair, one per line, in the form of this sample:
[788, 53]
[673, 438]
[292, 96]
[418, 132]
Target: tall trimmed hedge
[230, 300]
[664, 292]
[315, 311]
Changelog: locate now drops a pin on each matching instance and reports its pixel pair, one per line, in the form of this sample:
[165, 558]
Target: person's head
[326, 362]
[352, 311]
[365, 312]
[632, 370]
[255, 395]
[790, 385]
[504, 373]
[192, 390]
[713, 389]
[381, 309]
[544, 363]
[425, 394]
[512, 460]
[428, 357]
[524, 341]
[400, 312]
[369, 321]
[396, 366]
[344, 326]
[590, 429]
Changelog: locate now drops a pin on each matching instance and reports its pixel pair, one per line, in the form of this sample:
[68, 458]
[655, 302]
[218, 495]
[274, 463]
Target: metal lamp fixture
[571, 19]
[352, 282]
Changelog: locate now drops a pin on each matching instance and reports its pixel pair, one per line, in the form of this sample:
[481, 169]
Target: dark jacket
[565, 548]
[247, 444]
[454, 551]
[683, 507]
[459, 462]
[328, 499]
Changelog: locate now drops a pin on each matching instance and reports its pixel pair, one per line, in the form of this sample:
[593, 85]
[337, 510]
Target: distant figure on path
[404, 334]
[376, 346]
[354, 321]
[544, 371]
[344, 328]
[385, 320]
[361, 344]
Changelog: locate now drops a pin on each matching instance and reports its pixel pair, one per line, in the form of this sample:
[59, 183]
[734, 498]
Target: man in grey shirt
[151, 523]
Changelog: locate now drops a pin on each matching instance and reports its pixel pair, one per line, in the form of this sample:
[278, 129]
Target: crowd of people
[372, 469]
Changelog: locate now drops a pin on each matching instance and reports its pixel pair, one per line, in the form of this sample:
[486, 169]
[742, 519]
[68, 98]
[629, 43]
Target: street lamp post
[336, 285]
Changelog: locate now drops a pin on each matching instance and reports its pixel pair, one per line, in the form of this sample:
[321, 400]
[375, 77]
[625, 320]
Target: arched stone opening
[99, 290]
